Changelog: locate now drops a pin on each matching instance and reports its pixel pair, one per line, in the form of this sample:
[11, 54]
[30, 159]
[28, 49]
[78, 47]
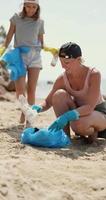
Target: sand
[28, 173]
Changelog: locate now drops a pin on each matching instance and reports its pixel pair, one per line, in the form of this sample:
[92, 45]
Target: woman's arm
[59, 84]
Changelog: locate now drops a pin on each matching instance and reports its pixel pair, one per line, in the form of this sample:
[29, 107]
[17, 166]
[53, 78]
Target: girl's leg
[20, 86]
[33, 74]
[62, 102]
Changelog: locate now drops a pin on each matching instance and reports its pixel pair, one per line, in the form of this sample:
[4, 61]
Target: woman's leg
[90, 125]
[33, 74]
[62, 102]
[20, 86]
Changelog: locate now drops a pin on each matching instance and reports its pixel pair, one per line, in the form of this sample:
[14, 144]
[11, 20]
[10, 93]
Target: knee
[58, 96]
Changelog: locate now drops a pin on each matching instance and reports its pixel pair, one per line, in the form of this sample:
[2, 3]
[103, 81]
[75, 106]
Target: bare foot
[22, 118]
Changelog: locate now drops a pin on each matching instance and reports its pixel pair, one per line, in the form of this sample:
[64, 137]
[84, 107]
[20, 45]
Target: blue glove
[38, 108]
[63, 120]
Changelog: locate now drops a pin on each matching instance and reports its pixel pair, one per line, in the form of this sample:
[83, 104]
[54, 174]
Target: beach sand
[28, 173]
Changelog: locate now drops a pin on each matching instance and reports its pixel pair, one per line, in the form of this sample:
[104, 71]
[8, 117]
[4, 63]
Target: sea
[44, 87]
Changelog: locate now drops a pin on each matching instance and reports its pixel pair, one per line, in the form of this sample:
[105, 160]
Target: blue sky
[79, 21]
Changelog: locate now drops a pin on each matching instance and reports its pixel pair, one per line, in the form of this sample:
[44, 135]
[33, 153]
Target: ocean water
[43, 88]
[103, 86]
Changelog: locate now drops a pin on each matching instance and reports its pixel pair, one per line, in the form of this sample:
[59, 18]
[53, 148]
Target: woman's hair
[35, 16]
[81, 60]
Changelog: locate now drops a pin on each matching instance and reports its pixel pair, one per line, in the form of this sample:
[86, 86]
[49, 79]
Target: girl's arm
[10, 34]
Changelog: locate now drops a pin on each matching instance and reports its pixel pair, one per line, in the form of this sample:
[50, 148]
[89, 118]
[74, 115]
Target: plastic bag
[29, 113]
[45, 138]
[14, 62]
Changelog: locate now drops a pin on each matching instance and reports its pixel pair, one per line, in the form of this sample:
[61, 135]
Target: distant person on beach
[77, 93]
[28, 30]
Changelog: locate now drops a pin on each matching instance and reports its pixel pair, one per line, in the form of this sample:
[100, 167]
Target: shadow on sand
[77, 149]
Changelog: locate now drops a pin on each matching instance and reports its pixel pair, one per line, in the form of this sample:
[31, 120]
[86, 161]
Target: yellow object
[2, 50]
[51, 50]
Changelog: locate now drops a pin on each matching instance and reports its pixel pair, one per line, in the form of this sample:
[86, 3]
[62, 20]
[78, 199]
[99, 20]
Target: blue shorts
[32, 59]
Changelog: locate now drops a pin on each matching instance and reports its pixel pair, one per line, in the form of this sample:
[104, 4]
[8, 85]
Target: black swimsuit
[101, 108]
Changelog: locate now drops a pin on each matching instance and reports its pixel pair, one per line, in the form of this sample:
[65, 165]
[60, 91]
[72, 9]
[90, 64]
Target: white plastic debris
[27, 110]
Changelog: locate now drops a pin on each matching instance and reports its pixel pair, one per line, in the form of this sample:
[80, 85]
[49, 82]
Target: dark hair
[70, 50]
[35, 16]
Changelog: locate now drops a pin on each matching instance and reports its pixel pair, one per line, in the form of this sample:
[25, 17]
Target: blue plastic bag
[14, 62]
[45, 138]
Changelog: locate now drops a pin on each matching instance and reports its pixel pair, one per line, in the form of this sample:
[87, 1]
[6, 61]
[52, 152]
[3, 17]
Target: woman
[77, 90]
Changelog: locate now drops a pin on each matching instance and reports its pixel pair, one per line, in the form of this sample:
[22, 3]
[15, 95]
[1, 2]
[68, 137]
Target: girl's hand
[54, 51]
[2, 50]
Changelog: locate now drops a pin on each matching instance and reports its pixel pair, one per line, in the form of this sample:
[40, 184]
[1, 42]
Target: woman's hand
[38, 108]
[63, 120]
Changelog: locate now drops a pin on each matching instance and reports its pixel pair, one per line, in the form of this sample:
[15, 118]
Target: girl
[28, 30]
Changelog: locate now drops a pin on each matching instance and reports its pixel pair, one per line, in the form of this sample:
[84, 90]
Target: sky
[80, 21]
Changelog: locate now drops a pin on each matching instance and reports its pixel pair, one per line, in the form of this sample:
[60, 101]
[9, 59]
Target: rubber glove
[63, 120]
[38, 108]
[2, 50]
[51, 50]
